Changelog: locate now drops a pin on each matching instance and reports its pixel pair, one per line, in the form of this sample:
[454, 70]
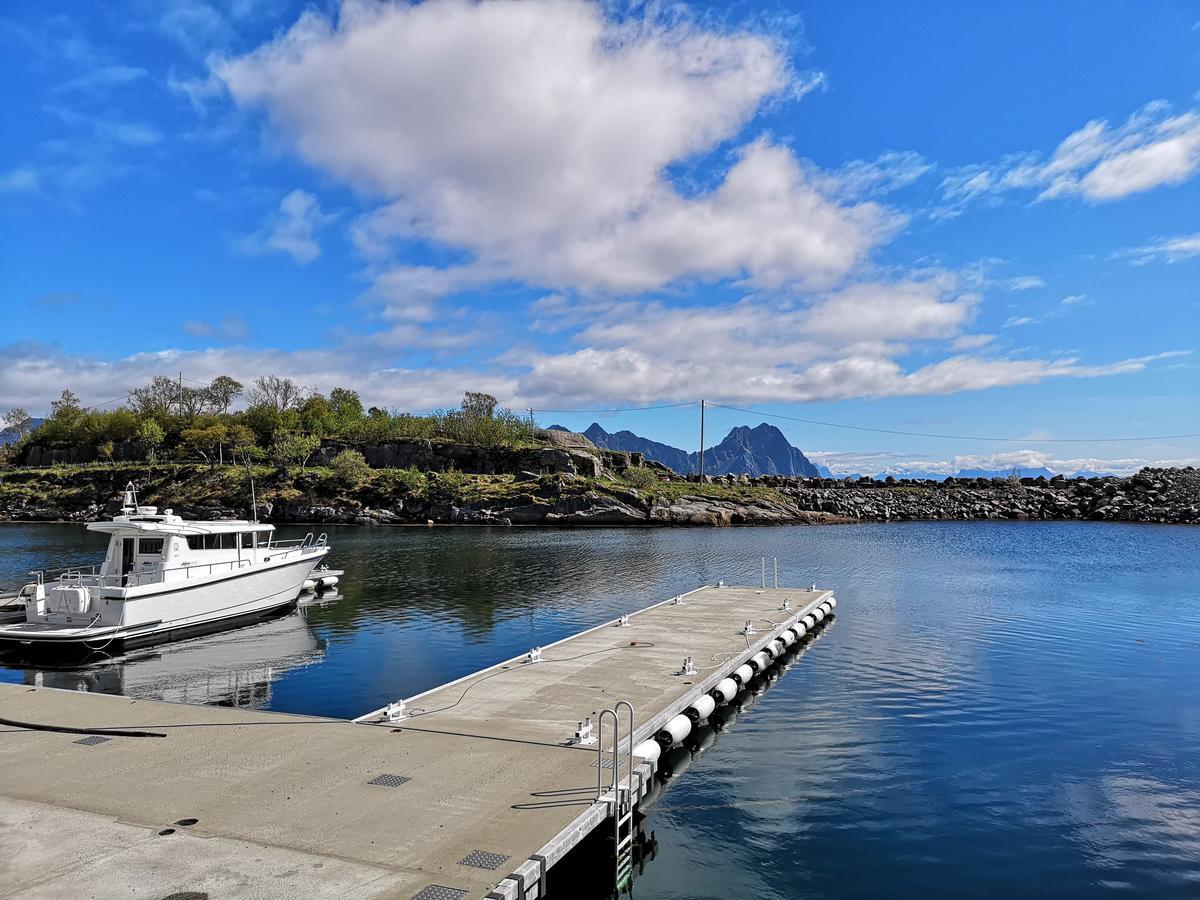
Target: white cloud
[292, 229]
[1099, 162]
[34, 374]
[1017, 321]
[1025, 283]
[1075, 300]
[889, 172]
[535, 137]
[1167, 249]
[21, 180]
[845, 344]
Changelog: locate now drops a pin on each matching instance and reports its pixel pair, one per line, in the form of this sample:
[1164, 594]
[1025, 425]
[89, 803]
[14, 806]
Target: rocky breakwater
[1151, 495]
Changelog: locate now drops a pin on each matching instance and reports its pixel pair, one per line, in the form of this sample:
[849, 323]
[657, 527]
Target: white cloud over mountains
[536, 137]
[1099, 162]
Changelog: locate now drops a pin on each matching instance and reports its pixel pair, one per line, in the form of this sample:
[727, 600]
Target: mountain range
[763, 450]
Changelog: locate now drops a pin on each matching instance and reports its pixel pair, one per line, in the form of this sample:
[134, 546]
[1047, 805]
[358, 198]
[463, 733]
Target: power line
[955, 437]
[620, 409]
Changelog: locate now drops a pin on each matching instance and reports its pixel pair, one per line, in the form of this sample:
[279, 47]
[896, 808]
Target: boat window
[150, 546]
[212, 541]
[247, 540]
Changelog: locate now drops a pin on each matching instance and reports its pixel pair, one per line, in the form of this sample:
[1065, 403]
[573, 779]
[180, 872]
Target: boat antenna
[253, 498]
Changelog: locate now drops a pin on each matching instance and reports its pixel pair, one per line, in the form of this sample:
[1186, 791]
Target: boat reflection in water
[232, 668]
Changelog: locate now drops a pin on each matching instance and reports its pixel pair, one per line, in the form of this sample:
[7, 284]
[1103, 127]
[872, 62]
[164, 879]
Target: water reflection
[234, 668]
[1001, 708]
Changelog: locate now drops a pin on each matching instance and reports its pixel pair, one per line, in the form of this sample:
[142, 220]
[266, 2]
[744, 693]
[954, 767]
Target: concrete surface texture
[481, 773]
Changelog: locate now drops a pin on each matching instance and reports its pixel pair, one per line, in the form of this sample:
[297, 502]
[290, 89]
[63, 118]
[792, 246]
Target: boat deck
[476, 793]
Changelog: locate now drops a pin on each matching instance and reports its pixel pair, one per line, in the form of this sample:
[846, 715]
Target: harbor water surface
[997, 708]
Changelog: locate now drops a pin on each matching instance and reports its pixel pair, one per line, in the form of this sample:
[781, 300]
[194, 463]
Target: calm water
[998, 708]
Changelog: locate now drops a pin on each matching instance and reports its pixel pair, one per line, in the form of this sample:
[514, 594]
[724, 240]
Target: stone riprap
[548, 493]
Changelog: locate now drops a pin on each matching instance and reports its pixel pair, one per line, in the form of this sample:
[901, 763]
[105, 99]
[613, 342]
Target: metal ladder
[620, 797]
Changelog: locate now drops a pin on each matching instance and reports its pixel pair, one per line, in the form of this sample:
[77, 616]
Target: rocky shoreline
[562, 496]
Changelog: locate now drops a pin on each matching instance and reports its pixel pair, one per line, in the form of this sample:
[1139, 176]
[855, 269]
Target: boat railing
[90, 576]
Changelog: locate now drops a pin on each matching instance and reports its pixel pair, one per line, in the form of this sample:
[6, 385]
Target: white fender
[727, 688]
[788, 637]
[760, 661]
[701, 708]
[809, 621]
[650, 750]
[742, 674]
[675, 730]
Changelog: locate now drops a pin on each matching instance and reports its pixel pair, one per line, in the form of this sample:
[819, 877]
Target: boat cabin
[148, 547]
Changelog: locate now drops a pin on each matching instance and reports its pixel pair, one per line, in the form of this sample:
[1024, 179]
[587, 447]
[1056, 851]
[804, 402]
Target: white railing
[77, 577]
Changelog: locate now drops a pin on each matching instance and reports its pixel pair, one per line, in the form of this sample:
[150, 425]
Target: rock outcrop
[554, 487]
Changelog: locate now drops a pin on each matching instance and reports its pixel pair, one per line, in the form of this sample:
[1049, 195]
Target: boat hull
[173, 611]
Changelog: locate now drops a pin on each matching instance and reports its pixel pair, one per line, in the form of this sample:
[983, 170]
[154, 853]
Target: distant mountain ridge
[762, 450]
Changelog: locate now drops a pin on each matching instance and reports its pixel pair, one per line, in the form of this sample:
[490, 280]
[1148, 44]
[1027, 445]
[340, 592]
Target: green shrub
[411, 481]
[350, 468]
[448, 487]
[639, 477]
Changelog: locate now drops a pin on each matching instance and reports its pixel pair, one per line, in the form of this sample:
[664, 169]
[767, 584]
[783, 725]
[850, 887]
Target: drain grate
[386, 780]
[439, 892]
[481, 859]
[93, 740]
[606, 764]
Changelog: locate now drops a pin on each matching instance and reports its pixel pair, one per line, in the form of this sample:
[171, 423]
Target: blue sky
[974, 219]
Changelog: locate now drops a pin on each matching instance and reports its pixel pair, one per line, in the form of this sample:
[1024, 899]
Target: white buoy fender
[742, 674]
[327, 581]
[725, 690]
[760, 661]
[650, 750]
[776, 648]
[832, 602]
[809, 622]
[819, 615]
[800, 630]
[788, 637]
[701, 708]
[675, 731]
[309, 585]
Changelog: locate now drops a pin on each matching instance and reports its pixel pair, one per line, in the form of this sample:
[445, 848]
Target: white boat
[164, 578]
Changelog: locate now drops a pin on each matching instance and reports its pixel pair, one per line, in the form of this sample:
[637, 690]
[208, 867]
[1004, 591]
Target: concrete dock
[477, 792]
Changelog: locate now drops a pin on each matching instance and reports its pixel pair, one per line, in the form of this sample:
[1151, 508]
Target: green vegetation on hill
[282, 423]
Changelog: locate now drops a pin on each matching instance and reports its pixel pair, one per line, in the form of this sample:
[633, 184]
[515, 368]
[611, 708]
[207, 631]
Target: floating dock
[474, 789]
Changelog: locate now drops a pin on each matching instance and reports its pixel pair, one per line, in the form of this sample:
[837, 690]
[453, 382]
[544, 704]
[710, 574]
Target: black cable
[66, 729]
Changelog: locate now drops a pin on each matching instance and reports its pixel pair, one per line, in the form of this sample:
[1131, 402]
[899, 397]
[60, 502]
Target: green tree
[158, 398]
[19, 421]
[280, 394]
[151, 435]
[346, 405]
[350, 468]
[295, 449]
[222, 392]
[66, 406]
[205, 440]
[478, 406]
[241, 439]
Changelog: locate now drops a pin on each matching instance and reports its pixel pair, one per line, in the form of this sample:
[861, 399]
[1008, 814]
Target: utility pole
[702, 440]
[532, 427]
[181, 395]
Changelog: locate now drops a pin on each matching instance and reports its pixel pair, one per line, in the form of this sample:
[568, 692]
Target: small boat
[164, 578]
